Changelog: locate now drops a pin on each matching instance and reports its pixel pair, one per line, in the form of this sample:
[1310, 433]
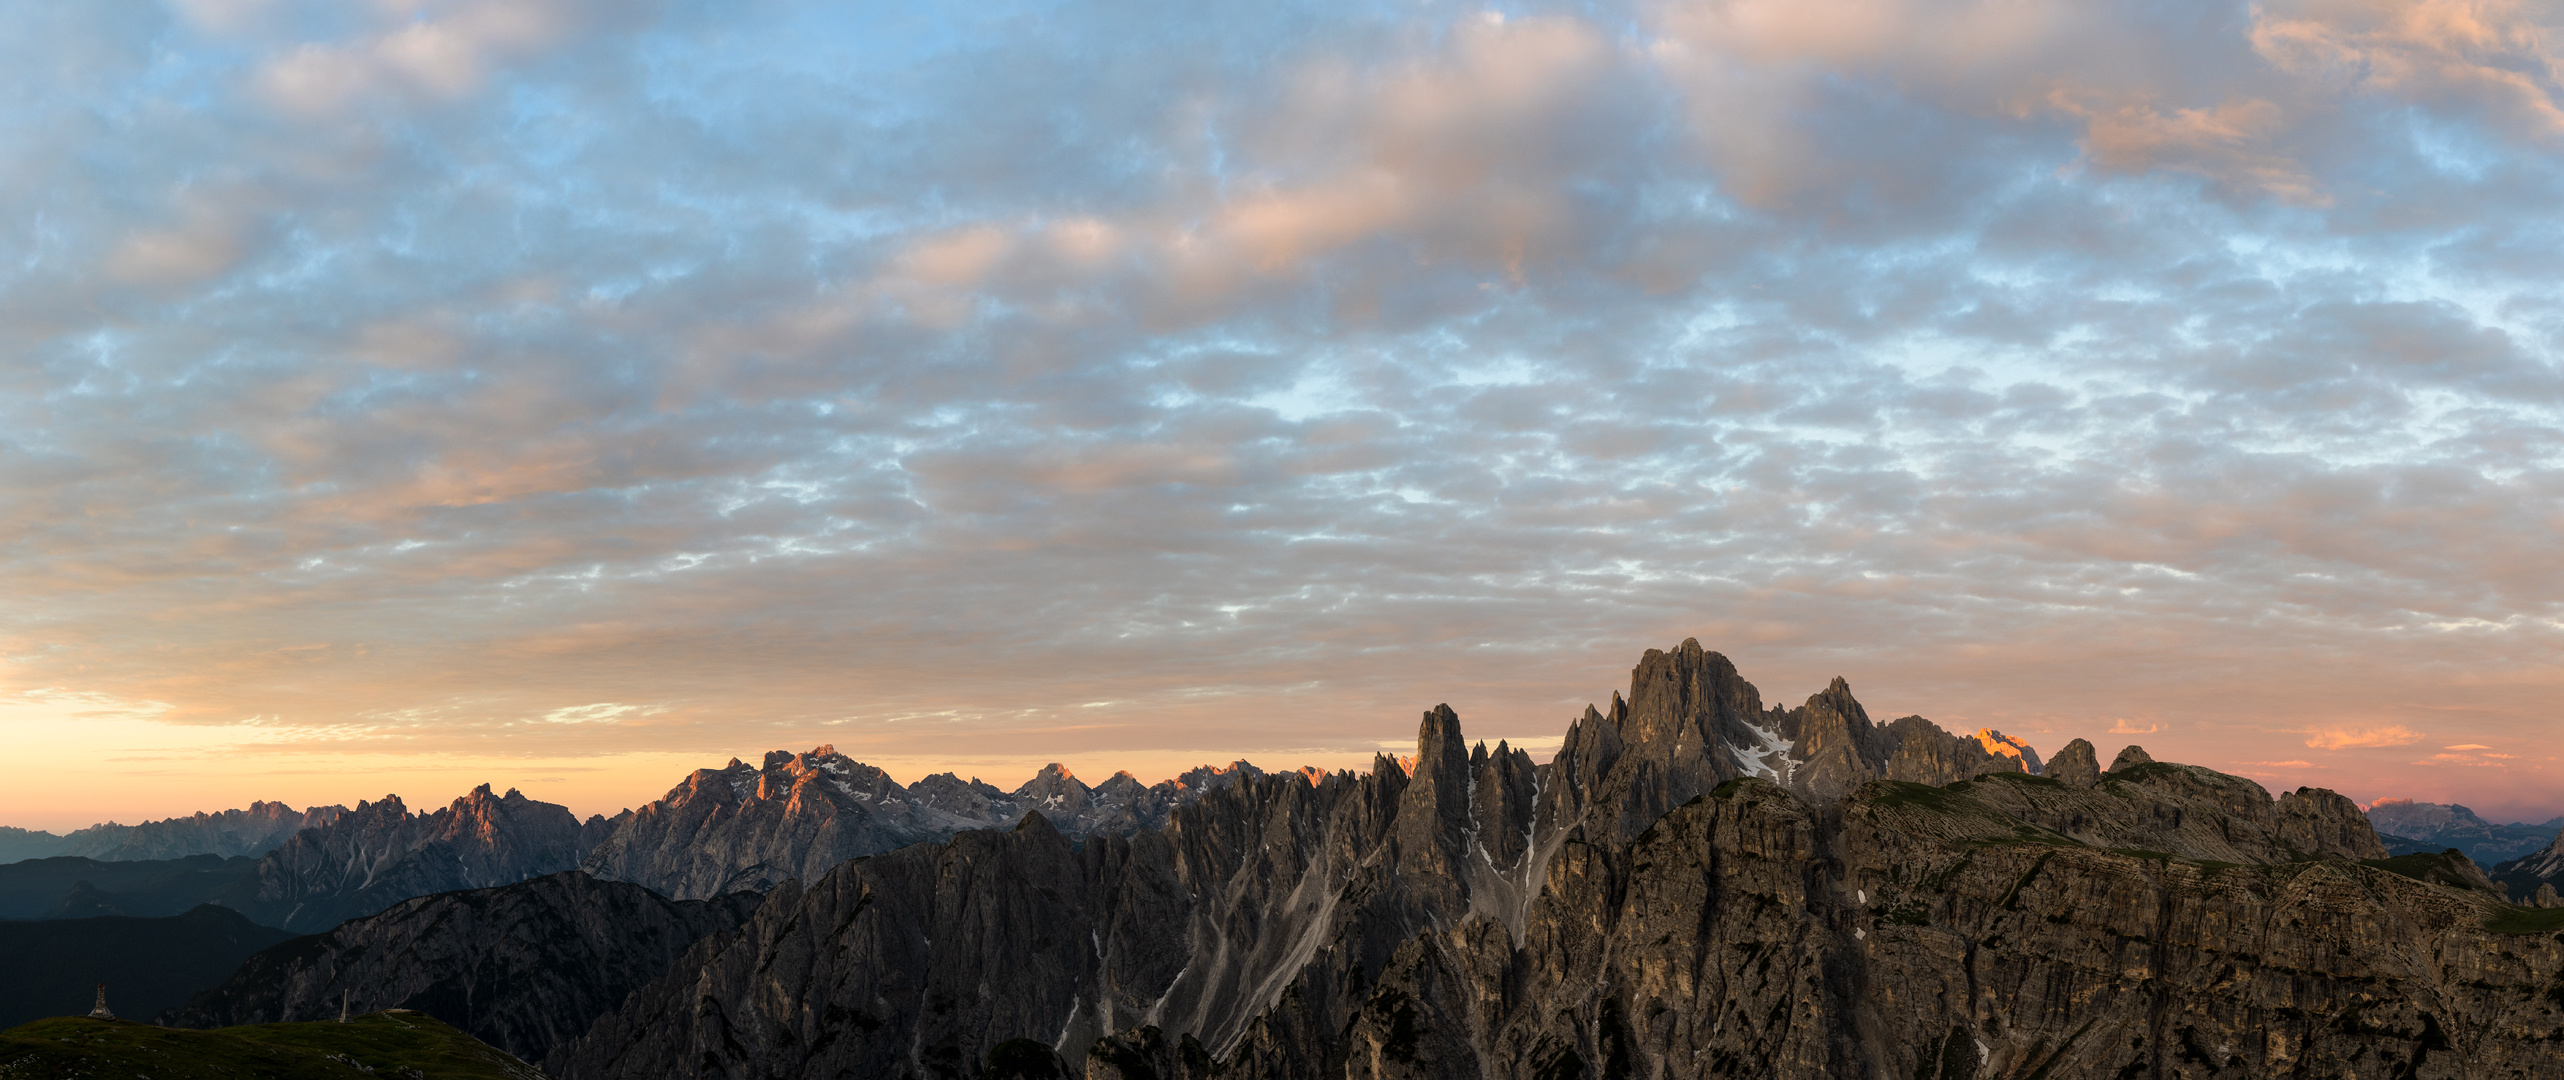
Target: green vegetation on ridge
[382, 1046]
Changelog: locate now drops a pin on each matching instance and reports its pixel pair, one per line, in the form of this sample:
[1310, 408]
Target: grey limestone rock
[2078, 764]
[797, 815]
[2129, 757]
[380, 854]
[2319, 821]
[1681, 904]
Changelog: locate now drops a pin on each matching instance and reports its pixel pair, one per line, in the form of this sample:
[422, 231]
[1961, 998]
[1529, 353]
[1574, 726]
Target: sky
[567, 394]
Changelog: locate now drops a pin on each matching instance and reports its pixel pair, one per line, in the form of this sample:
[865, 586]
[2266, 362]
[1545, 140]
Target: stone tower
[99, 1011]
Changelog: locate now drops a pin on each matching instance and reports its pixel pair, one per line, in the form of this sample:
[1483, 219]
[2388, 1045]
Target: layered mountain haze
[2409, 827]
[1696, 886]
[69, 886]
[253, 832]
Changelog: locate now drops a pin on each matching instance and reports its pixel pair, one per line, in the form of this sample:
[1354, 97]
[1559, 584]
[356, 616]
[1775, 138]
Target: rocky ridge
[252, 832]
[521, 967]
[797, 815]
[2535, 877]
[1673, 896]
[380, 854]
[2407, 826]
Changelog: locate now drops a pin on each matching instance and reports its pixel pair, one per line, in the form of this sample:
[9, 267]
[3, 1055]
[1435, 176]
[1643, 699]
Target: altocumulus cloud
[915, 375]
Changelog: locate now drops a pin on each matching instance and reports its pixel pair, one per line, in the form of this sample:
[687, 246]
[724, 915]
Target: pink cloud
[2343, 738]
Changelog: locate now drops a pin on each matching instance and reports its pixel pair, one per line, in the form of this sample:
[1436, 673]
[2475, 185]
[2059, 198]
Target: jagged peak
[2002, 745]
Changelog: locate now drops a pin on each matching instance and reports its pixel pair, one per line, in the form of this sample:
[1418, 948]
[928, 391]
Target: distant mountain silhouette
[69, 885]
[53, 967]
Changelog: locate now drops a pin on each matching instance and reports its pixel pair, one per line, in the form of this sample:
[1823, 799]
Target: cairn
[99, 1011]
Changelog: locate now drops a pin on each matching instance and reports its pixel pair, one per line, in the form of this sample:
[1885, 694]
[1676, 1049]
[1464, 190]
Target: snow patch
[1760, 761]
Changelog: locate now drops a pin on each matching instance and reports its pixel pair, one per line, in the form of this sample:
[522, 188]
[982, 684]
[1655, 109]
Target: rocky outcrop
[1670, 910]
[797, 815]
[2078, 764]
[2130, 757]
[522, 967]
[252, 832]
[380, 854]
[2002, 745]
[2318, 822]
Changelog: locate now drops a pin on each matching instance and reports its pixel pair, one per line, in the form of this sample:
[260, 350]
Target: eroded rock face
[380, 854]
[2163, 921]
[2078, 764]
[521, 967]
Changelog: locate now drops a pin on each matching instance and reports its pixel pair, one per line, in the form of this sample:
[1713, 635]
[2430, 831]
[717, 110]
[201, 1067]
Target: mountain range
[252, 832]
[1673, 895]
[2407, 826]
[1697, 884]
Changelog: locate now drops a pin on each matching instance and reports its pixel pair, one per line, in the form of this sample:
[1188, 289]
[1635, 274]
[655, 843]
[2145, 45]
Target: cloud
[2467, 746]
[2499, 57]
[1268, 369]
[2362, 738]
[604, 712]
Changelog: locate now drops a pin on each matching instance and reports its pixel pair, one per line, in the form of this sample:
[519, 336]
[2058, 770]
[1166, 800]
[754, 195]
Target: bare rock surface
[797, 815]
[380, 854]
[1672, 896]
[521, 967]
[2078, 764]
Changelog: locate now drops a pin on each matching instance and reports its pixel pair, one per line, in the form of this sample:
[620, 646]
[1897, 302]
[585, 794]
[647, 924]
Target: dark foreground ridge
[53, 968]
[522, 967]
[1697, 886]
[384, 1046]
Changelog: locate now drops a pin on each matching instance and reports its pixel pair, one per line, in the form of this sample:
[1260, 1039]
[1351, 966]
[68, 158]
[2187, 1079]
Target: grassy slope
[389, 1044]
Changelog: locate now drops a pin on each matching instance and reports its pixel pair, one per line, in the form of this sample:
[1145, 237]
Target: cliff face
[797, 815]
[521, 967]
[380, 854]
[1649, 904]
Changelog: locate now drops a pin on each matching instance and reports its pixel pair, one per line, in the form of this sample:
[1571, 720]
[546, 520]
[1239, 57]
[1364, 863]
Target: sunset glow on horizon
[567, 394]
